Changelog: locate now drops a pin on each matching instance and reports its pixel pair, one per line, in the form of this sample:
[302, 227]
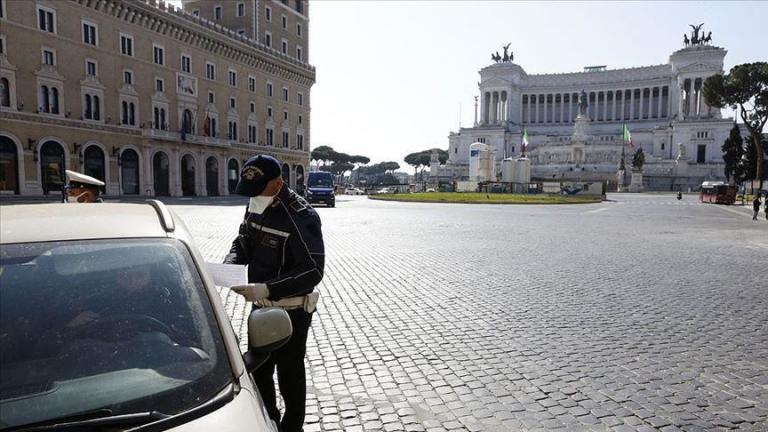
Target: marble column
[658, 112]
[691, 112]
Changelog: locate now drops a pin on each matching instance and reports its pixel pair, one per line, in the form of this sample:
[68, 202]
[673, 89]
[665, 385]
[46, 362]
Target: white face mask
[259, 203]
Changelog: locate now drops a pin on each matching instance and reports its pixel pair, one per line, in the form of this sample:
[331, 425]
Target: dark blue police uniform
[283, 248]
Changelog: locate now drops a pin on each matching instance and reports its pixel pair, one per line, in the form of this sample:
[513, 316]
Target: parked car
[354, 191]
[430, 190]
[386, 190]
[320, 188]
[109, 320]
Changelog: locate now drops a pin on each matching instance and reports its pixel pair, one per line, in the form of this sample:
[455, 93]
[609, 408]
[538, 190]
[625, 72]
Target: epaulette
[299, 204]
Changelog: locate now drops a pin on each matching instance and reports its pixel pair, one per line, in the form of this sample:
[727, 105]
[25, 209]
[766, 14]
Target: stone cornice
[65, 122]
[198, 32]
[616, 76]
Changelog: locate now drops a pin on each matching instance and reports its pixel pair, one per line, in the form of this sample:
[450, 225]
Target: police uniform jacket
[283, 246]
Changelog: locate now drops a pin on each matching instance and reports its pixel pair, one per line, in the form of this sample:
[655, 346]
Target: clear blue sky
[392, 75]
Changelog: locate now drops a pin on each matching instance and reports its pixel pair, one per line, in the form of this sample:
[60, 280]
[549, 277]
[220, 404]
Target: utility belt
[307, 302]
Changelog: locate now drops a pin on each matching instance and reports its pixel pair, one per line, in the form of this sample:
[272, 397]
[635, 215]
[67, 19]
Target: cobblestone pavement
[640, 313]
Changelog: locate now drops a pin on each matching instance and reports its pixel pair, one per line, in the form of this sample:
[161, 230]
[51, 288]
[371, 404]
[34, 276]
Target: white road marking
[597, 210]
[732, 210]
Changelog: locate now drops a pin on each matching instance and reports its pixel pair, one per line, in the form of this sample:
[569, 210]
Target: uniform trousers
[291, 377]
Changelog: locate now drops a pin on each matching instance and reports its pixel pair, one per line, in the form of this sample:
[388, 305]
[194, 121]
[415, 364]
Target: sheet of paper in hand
[227, 275]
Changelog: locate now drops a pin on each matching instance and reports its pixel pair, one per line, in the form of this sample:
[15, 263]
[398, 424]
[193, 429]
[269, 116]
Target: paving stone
[670, 341]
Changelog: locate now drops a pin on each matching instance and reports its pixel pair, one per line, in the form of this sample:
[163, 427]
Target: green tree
[390, 167]
[416, 160]
[422, 159]
[638, 159]
[750, 163]
[733, 151]
[745, 88]
[323, 154]
[340, 168]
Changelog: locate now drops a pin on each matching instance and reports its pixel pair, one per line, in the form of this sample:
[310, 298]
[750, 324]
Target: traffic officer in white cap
[83, 188]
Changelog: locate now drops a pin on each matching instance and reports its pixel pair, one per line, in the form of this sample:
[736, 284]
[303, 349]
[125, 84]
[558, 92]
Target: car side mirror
[268, 330]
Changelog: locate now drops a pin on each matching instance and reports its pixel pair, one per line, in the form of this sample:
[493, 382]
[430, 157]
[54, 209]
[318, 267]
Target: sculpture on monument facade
[583, 104]
[695, 38]
[508, 55]
[638, 160]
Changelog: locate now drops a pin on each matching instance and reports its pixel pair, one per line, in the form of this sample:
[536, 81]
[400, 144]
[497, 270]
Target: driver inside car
[129, 282]
[134, 292]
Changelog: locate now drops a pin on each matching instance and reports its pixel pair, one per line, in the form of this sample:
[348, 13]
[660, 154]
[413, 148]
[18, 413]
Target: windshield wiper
[95, 418]
[152, 420]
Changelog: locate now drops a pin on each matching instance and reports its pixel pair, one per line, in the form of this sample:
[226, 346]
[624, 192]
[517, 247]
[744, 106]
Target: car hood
[245, 412]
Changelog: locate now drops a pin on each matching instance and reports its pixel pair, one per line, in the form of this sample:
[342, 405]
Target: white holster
[310, 301]
[307, 302]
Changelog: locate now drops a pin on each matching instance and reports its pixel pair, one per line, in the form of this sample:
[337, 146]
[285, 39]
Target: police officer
[281, 241]
[82, 188]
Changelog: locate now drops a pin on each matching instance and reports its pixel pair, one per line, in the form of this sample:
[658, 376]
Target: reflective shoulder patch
[298, 205]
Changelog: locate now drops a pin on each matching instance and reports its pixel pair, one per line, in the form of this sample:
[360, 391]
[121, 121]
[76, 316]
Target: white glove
[252, 291]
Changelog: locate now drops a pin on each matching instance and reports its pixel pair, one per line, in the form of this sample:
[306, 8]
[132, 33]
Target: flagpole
[623, 157]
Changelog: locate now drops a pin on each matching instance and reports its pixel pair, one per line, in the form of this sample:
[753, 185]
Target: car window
[315, 180]
[124, 325]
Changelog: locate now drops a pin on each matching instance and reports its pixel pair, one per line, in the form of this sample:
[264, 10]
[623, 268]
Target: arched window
[233, 174]
[5, 92]
[186, 122]
[129, 170]
[45, 97]
[93, 162]
[161, 172]
[96, 108]
[54, 100]
[132, 114]
[88, 107]
[9, 166]
[212, 176]
[188, 184]
[300, 179]
[52, 166]
[286, 174]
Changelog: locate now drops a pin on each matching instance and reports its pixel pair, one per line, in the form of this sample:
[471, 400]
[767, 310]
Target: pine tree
[733, 150]
[750, 160]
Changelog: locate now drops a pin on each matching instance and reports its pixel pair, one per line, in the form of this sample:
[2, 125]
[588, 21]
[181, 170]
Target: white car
[110, 320]
[354, 191]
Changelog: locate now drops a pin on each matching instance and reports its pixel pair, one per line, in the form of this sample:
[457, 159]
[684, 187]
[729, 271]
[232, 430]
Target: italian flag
[525, 141]
[626, 136]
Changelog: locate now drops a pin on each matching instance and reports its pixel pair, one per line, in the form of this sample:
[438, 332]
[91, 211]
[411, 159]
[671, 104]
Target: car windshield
[122, 325]
[324, 181]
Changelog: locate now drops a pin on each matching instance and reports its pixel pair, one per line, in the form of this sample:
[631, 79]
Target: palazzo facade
[152, 99]
[662, 106]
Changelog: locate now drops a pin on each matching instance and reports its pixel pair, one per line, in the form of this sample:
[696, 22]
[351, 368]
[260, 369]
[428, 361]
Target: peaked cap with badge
[80, 180]
[256, 173]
